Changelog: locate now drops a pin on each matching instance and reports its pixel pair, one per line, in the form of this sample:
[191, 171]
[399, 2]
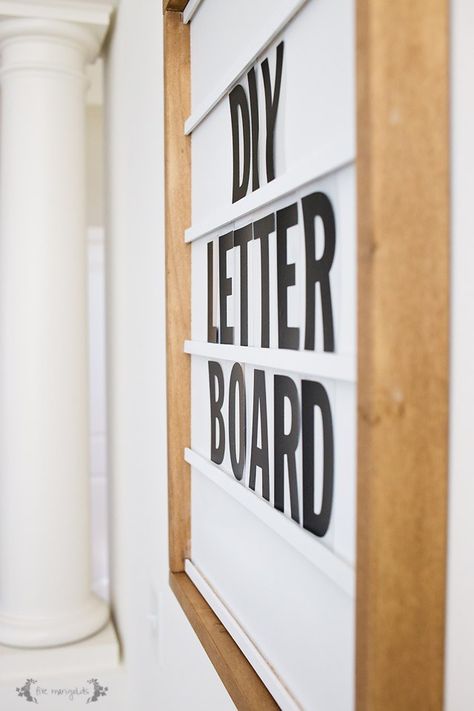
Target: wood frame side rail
[178, 281]
[403, 339]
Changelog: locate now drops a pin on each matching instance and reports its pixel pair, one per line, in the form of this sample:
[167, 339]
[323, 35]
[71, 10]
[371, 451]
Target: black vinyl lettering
[261, 230]
[288, 336]
[226, 243]
[216, 396]
[242, 237]
[211, 329]
[271, 107]
[317, 270]
[314, 395]
[252, 80]
[237, 461]
[285, 444]
[259, 455]
[238, 100]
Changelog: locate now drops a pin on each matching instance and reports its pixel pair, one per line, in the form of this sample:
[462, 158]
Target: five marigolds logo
[93, 692]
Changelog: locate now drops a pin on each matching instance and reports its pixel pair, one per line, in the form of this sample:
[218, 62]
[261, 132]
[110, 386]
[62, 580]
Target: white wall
[166, 666]
[460, 608]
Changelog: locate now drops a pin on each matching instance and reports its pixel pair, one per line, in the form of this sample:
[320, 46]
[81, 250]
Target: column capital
[81, 22]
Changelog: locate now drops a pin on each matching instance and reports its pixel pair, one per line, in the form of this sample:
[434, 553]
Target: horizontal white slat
[273, 683]
[323, 365]
[190, 10]
[242, 64]
[327, 562]
[326, 160]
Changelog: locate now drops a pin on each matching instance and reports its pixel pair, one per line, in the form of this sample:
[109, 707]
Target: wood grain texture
[403, 287]
[178, 280]
[242, 683]
[174, 6]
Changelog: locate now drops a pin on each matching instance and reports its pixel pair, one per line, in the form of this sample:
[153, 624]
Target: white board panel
[340, 536]
[313, 104]
[326, 561]
[273, 343]
[302, 622]
[339, 187]
[275, 685]
[225, 36]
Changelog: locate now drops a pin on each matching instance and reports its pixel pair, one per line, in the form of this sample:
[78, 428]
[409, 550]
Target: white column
[45, 568]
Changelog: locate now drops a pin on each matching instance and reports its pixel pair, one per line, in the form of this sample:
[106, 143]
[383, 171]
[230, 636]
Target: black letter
[242, 237]
[261, 229]
[317, 270]
[315, 394]
[259, 456]
[238, 99]
[286, 444]
[238, 463]
[211, 329]
[216, 374]
[226, 242]
[288, 337]
[271, 107]
[254, 116]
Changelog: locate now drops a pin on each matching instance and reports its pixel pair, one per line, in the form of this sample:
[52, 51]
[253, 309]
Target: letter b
[216, 377]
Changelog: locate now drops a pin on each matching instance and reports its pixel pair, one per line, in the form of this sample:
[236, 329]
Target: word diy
[248, 127]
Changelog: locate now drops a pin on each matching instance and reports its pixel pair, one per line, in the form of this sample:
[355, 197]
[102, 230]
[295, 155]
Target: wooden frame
[403, 294]
[178, 281]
